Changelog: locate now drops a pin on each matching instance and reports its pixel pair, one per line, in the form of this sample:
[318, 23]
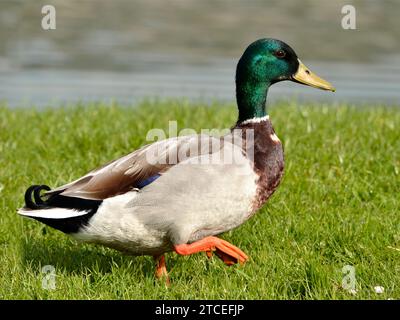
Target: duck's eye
[280, 54]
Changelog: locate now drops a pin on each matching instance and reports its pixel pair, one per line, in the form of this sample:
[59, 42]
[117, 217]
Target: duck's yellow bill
[305, 76]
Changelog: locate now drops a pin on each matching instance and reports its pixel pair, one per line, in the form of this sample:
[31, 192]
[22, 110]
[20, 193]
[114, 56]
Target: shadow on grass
[78, 259]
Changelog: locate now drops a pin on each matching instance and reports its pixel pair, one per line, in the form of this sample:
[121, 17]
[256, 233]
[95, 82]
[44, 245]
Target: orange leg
[161, 269]
[224, 250]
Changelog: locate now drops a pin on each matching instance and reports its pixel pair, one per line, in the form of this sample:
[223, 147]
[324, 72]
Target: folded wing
[132, 170]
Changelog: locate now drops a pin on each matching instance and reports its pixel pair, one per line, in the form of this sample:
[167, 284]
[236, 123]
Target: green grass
[337, 205]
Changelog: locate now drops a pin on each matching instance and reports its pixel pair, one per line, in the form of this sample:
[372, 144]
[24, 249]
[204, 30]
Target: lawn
[338, 205]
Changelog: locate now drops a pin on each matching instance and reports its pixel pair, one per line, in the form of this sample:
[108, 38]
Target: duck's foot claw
[226, 251]
[227, 259]
[230, 254]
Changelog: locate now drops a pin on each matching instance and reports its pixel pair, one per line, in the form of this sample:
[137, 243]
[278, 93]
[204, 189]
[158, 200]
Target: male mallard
[150, 201]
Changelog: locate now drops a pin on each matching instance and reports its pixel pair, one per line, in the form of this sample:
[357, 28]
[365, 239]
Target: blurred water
[357, 83]
[128, 50]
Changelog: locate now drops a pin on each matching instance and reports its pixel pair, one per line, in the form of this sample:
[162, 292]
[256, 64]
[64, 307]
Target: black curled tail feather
[56, 200]
[36, 194]
[38, 202]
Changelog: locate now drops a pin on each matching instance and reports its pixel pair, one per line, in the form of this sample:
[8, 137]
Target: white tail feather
[52, 213]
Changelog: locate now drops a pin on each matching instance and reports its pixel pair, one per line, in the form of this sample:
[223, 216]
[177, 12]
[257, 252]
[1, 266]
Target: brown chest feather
[268, 159]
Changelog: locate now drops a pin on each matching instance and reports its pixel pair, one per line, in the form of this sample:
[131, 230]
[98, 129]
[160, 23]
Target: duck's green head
[265, 62]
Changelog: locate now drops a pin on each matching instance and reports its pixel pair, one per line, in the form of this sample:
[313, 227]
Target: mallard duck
[151, 201]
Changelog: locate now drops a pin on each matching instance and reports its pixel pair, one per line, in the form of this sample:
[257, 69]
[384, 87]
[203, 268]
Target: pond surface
[356, 83]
